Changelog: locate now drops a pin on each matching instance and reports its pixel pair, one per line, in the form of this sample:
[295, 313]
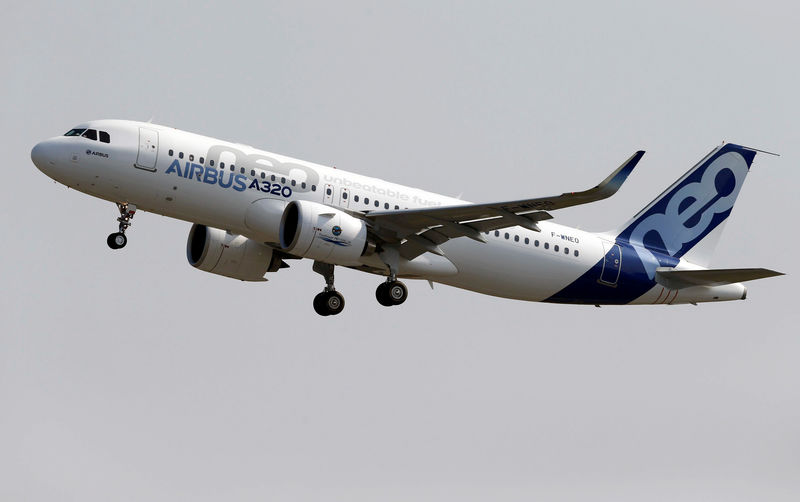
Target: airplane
[252, 211]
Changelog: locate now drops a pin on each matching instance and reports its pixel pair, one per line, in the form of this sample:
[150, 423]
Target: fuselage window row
[536, 243]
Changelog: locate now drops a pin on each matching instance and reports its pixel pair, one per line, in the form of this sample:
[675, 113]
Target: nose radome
[40, 155]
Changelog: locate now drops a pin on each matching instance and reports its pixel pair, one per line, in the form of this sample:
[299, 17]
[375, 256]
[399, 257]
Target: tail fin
[684, 218]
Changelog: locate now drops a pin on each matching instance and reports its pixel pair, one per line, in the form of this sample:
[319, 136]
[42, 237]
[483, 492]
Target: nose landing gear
[118, 240]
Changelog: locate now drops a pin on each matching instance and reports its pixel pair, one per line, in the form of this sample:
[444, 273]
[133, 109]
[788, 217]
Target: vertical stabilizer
[687, 219]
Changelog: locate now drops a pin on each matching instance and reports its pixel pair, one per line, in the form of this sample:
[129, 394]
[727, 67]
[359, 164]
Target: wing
[421, 230]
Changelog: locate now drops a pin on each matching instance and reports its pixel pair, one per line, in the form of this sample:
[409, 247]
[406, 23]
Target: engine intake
[230, 255]
[323, 233]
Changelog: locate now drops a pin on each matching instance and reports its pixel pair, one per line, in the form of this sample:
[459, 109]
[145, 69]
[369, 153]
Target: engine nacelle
[323, 233]
[219, 252]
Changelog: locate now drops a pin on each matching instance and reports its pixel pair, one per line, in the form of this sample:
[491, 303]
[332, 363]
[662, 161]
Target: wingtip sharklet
[614, 181]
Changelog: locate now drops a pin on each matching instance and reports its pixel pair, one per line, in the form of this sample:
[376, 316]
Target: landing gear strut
[118, 240]
[330, 301]
[392, 292]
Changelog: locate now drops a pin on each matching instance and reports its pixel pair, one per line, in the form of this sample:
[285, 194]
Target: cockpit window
[104, 137]
[74, 132]
[90, 134]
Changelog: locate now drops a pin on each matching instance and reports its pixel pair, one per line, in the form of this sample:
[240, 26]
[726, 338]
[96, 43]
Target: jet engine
[222, 253]
[323, 233]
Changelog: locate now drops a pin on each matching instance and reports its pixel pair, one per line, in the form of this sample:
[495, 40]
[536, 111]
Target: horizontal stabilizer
[679, 279]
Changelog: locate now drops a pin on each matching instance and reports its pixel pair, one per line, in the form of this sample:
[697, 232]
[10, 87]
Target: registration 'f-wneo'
[253, 210]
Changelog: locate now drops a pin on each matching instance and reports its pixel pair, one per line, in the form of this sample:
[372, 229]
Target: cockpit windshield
[91, 134]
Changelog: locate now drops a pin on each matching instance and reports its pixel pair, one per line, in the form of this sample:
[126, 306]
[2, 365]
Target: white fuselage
[171, 176]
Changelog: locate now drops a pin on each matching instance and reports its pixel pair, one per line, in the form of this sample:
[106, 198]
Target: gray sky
[130, 375]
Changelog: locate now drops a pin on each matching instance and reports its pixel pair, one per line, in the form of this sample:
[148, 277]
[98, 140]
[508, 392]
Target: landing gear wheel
[116, 240]
[397, 292]
[382, 294]
[319, 304]
[334, 302]
[328, 303]
[391, 293]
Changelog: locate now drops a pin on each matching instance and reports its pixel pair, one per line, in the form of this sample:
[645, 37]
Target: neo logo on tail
[690, 209]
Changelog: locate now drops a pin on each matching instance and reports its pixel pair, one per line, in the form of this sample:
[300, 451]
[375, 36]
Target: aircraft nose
[42, 155]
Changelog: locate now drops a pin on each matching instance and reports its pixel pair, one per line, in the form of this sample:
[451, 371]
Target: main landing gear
[330, 301]
[391, 293]
[118, 240]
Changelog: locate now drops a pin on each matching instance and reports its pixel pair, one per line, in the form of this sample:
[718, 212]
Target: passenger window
[170, 153]
[527, 241]
[576, 253]
[202, 160]
[366, 200]
[313, 188]
[263, 175]
[104, 137]
[547, 245]
[90, 134]
[386, 206]
[555, 248]
[506, 235]
[253, 173]
[283, 181]
[536, 243]
[344, 195]
[398, 207]
[355, 198]
[180, 155]
[328, 191]
[294, 182]
[497, 233]
[222, 166]
[516, 238]
[566, 250]
[191, 157]
[377, 203]
[303, 184]
[212, 163]
[272, 178]
[241, 170]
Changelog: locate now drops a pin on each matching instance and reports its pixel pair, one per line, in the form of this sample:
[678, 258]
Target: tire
[117, 240]
[397, 292]
[382, 294]
[319, 304]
